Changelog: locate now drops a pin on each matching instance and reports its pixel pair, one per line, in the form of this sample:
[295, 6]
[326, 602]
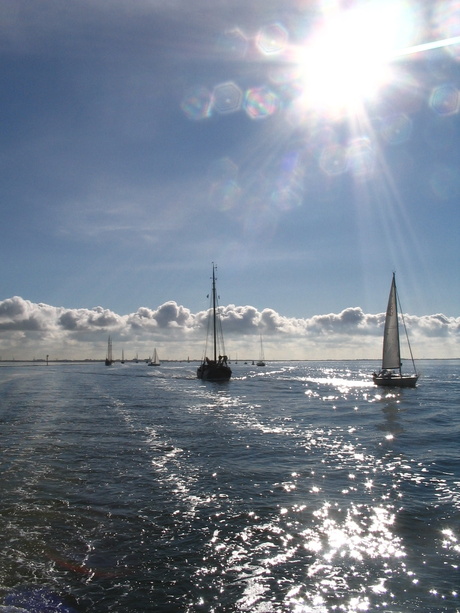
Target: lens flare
[260, 102]
[272, 39]
[196, 104]
[227, 98]
[396, 129]
[444, 100]
[233, 43]
[334, 160]
[361, 158]
[348, 58]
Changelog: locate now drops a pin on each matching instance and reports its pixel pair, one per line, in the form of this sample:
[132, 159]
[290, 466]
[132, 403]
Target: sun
[349, 56]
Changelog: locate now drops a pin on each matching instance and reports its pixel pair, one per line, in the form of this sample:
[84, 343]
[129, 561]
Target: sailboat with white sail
[215, 368]
[390, 375]
[261, 360]
[155, 361]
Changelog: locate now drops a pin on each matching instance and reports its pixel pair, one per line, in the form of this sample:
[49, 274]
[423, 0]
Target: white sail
[391, 352]
[391, 374]
[155, 361]
[261, 361]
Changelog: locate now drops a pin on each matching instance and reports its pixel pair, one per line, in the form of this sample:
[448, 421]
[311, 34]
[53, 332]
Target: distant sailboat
[122, 356]
[215, 369]
[261, 361]
[155, 361]
[390, 374]
[109, 359]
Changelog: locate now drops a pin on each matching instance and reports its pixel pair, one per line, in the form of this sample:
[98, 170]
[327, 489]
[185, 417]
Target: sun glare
[348, 59]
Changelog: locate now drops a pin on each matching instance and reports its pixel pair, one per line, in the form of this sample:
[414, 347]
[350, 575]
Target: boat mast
[396, 300]
[214, 312]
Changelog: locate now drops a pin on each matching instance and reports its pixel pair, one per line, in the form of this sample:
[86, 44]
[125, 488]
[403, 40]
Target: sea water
[298, 486]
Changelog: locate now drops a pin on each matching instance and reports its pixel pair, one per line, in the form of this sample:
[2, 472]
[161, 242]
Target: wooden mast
[214, 311]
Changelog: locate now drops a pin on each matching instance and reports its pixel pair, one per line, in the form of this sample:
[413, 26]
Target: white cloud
[438, 326]
[23, 315]
[29, 329]
[88, 319]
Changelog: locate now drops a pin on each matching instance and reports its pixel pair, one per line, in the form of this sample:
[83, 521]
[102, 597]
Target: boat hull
[214, 372]
[395, 380]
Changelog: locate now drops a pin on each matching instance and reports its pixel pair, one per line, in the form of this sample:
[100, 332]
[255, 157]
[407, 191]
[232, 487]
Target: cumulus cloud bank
[32, 330]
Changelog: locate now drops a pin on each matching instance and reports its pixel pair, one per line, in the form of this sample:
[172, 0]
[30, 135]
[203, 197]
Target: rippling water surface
[295, 487]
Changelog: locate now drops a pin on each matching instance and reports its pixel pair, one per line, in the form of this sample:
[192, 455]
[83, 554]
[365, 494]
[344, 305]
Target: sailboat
[122, 356]
[261, 361]
[109, 359]
[216, 368]
[390, 374]
[155, 361]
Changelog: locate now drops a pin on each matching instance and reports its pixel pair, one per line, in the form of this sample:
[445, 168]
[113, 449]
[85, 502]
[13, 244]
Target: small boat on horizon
[109, 358]
[155, 361]
[261, 360]
[390, 375]
[216, 368]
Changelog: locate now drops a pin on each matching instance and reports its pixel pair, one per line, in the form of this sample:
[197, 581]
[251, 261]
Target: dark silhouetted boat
[109, 358]
[215, 368]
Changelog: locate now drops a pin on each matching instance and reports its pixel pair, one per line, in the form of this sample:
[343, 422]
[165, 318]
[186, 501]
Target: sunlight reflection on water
[345, 532]
[301, 488]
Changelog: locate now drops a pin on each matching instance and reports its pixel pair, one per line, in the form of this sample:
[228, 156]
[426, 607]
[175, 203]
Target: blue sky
[288, 141]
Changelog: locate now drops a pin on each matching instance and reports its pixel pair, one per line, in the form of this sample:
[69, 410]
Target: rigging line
[405, 331]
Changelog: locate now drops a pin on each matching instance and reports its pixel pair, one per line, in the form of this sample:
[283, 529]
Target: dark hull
[395, 380]
[214, 372]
